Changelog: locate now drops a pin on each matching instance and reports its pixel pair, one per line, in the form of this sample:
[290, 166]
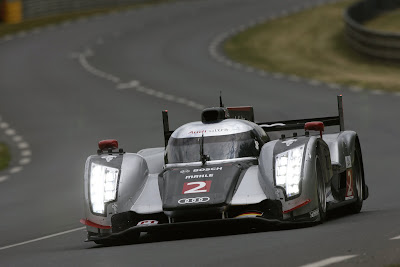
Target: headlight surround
[288, 170]
[103, 186]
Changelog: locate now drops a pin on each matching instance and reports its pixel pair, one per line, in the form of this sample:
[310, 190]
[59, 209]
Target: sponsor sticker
[250, 214]
[147, 222]
[209, 175]
[314, 213]
[108, 158]
[349, 184]
[193, 200]
[208, 169]
[348, 162]
[196, 187]
[114, 206]
[186, 171]
[209, 131]
[289, 142]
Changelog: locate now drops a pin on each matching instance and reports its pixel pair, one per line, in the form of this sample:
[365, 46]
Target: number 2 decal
[196, 187]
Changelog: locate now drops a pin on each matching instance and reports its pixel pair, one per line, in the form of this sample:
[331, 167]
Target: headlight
[103, 186]
[288, 170]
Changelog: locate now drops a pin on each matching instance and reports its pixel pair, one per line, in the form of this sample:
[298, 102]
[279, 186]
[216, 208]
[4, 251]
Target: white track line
[24, 153]
[329, 261]
[4, 125]
[42, 238]
[133, 84]
[15, 169]
[395, 238]
[85, 64]
[3, 178]
[17, 138]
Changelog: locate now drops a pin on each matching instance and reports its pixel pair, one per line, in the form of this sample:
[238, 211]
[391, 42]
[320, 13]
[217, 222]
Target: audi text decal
[193, 200]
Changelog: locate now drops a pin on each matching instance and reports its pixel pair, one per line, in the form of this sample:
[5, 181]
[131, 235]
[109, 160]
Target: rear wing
[273, 126]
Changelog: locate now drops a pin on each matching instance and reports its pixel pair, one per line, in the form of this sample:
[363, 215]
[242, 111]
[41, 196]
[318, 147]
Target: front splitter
[226, 224]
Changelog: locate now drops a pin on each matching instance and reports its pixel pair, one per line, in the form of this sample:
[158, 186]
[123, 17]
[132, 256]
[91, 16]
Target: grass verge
[42, 21]
[311, 44]
[388, 21]
[5, 156]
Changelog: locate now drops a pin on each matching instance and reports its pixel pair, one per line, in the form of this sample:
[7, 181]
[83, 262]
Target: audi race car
[224, 170]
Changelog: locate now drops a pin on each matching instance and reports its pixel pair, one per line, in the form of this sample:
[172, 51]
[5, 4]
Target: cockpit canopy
[228, 139]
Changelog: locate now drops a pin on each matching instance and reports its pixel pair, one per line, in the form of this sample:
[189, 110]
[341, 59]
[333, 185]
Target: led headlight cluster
[288, 170]
[103, 186]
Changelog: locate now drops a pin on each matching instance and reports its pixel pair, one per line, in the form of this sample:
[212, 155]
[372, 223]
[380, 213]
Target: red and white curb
[23, 155]
[215, 51]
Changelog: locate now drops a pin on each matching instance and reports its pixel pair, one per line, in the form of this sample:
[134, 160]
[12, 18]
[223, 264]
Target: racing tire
[321, 191]
[358, 176]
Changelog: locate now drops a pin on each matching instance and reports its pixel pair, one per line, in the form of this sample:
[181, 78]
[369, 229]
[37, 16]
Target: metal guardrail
[384, 45]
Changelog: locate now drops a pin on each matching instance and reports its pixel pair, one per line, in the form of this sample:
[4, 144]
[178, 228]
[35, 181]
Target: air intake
[214, 115]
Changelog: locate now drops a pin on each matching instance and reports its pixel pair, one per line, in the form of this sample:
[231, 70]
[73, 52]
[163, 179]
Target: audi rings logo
[184, 171]
[193, 200]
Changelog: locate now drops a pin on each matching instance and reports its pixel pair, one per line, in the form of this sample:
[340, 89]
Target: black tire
[358, 176]
[321, 191]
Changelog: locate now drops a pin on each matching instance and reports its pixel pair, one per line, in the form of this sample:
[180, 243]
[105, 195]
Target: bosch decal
[193, 200]
[196, 187]
[184, 171]
[208, 169]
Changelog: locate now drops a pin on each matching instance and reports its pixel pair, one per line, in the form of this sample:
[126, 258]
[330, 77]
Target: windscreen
[182, 150]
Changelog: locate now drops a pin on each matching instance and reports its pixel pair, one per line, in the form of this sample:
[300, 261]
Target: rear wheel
[321, 192]
[358, 186]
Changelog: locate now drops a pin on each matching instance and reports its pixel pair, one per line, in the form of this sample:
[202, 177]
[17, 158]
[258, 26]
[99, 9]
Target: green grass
[42, 21]
[388, 21]
[5, 156]
[312, 44]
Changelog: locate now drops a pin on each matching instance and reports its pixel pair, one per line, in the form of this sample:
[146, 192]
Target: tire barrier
[14, 11]
[379, 44]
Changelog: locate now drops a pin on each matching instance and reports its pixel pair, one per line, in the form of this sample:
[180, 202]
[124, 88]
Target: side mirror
[315, 126]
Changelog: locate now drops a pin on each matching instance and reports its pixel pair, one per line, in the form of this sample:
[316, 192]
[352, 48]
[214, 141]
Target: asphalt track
[64, 88]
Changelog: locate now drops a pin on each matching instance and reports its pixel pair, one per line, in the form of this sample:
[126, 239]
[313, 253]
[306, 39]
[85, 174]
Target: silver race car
[224, 170]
